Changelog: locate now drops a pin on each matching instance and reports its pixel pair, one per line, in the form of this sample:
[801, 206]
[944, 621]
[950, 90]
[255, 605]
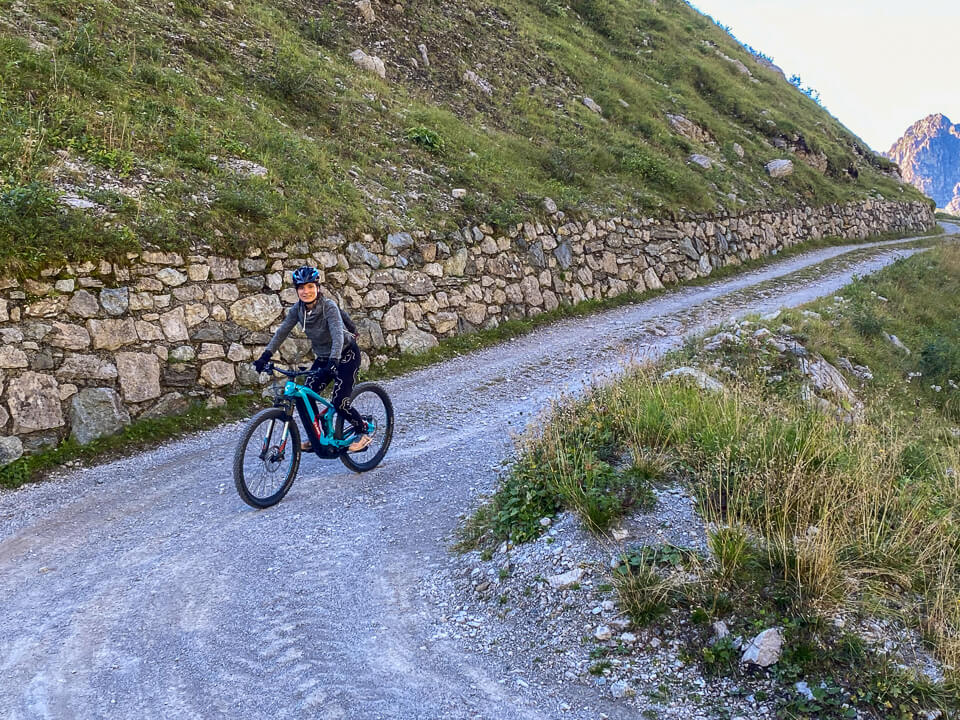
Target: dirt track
[146, 589]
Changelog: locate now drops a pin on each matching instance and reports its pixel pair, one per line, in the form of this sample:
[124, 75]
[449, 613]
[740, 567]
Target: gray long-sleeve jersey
[323, 325]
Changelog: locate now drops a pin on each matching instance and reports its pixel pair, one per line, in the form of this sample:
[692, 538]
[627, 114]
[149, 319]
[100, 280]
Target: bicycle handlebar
[270, 368]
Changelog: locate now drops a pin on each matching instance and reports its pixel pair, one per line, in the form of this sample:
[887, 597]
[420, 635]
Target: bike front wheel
[264, 464]
[374, 406]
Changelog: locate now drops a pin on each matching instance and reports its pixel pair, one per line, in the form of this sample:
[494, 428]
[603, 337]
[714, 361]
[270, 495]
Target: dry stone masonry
[89, 347]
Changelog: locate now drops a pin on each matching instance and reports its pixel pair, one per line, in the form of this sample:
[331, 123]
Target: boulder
[366, 10]
[11, 449]
[11, 357]
[169, 276]
[415, 341]
[357, 253]
[701, 160]
[826, 379]
[68, 336]
[393, 319]
[592, 105]
[565, 580]
[897, 343]
[84, 304]
[34, 402]
[218, 373]
[530, 287]
[764, 650]
[115, 301]
[471, 77]
[369, 333]
[222, 268]
[47, 307]
[699, 378]
[370, 63]
[779, 168]
[456, 264]
[398, 241]
[112, 334]
[139, 376]
[418, 283]
[86, 367]
[376, 298]
[651, 280]
[96, 413]
[174, 325]
[443, 321]
[256, 312]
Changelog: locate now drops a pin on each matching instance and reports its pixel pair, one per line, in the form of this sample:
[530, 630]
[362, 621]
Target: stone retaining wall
[91, 346]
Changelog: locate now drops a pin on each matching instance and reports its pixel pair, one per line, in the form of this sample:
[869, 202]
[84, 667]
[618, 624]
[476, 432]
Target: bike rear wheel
[373, 404]
[263, 467]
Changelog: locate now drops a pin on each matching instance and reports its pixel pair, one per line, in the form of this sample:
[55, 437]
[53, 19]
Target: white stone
[701, 160]
[602, 632]
[764, 650]
[370, 63]
[218, 373]
[565, 580]
[139, 376]
[34, 402]
[592, 104]
[415, 341]
[700, 378]
[779, 168]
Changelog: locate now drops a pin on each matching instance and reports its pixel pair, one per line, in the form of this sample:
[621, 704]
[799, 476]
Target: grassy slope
[883, 495]
[127, 103]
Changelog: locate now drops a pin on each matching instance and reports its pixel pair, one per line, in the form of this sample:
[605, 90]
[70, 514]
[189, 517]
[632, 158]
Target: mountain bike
[267, 457]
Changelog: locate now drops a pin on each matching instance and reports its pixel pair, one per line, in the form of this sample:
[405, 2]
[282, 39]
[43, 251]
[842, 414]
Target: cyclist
[335, 348]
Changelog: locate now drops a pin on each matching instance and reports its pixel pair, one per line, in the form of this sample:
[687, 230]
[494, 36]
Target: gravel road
[145, 588]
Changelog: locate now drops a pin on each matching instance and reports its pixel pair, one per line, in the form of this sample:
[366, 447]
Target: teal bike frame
[306, 401]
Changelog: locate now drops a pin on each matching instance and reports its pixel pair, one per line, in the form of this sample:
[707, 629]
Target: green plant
[721, 657]
[642, 592]
[865, 321]
[426, 138]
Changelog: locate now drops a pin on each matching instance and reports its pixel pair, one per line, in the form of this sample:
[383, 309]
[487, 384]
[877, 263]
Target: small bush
[567, 166]
[553, 8]
[865, 321]
[426, 138]
[940, 359]
[642, 592]
[34, 199]
[253, 201]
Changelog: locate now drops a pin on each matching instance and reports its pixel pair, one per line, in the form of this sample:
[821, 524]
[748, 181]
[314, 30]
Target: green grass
[107, 85]
[810, 514]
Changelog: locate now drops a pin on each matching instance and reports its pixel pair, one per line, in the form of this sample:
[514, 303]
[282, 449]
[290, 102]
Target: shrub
[426, 138]
[253, 200]
[865, 321]
[940, 359]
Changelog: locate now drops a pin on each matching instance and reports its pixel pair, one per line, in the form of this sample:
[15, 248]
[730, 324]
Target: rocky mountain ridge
[929, 158]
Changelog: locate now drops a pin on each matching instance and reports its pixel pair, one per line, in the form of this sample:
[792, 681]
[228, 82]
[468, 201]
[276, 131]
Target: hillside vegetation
[239, 121]
[821, 502]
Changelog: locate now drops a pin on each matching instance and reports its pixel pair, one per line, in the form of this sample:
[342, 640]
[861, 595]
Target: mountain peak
[929, 158]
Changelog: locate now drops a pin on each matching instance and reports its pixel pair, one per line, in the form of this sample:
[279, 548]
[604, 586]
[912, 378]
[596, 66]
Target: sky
[879, 65]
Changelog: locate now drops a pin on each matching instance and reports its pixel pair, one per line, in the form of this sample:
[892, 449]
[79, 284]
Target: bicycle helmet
[304, 275]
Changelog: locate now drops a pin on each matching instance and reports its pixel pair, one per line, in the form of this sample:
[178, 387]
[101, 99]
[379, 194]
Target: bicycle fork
[284, 437]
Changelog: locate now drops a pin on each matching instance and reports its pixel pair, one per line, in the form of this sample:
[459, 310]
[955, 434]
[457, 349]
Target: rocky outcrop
[163, 329]
[929, 158]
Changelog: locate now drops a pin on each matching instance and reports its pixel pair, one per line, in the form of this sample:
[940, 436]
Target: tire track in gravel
[145, 588]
